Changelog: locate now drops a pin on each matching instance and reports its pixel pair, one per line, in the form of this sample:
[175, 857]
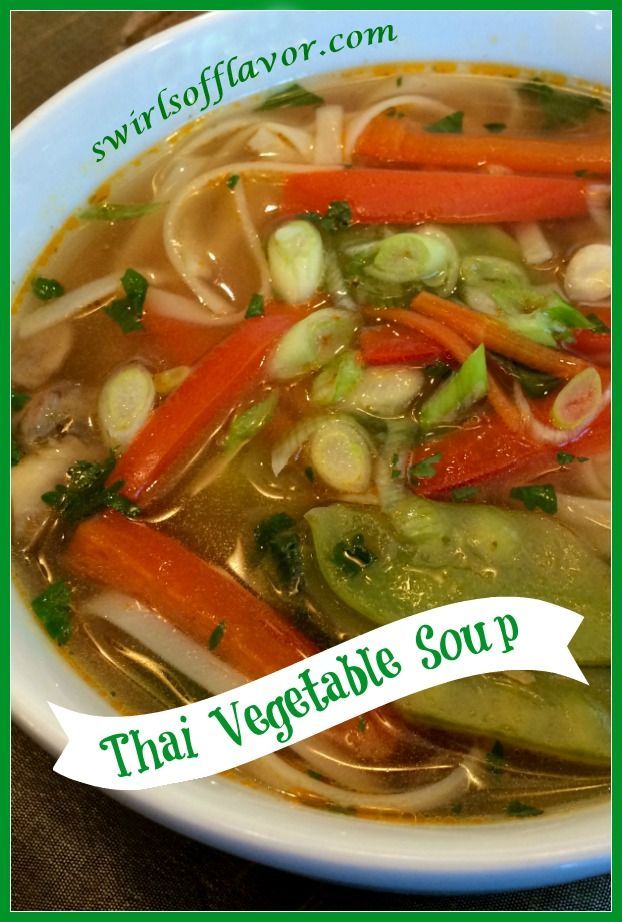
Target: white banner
[343, 682]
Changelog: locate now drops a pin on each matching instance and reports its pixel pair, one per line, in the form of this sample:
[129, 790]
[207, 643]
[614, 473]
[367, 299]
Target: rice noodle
[359, 123]
[328, 147]
[67, 306]
[297, 138]
[173, 244]
[252, 238]
[168, 304]
[540, 432]
[534, 246]
[276, 772]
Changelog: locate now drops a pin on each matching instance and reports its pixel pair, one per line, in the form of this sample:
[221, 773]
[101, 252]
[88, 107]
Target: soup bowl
[55, 144]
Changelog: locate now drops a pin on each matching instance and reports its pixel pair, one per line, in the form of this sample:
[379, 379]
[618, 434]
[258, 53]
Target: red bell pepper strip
[591, 345]
[384, 345]
[486, 450]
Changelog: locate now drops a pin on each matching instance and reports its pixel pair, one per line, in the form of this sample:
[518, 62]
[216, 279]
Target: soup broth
[321, 323]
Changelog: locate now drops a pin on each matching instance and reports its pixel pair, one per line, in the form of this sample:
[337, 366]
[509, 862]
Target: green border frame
[5, 360]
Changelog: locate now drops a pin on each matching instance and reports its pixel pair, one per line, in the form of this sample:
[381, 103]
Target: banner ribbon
[261, 717]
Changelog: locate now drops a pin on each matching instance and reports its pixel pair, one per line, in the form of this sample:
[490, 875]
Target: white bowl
[53, 171]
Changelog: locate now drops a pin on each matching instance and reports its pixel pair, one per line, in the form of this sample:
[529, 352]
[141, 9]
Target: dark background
[72, 847]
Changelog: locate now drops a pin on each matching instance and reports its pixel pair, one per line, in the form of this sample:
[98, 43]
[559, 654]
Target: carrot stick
[201, 598]
[224, 376]
[398, 141]
[488, 452]
[481, 328]
[460, 349]
[412, 196]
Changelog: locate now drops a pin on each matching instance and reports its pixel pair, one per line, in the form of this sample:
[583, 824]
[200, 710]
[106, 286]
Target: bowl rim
[269, 833]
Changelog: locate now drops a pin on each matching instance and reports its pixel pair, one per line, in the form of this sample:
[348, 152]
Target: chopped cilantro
[316, 775]
[537, 496]
[266, 530]
[109, 211]
[362, 725]
[19, 399]
[395, 468]
[87, 493]
[216, 635]
[560, 108]
[450, 124]
[437, 371]
[352, 556]
[456, 809]
[276, 536]
[338, 216]
[292, 95]
[310, 474]
[495, 758]
[495, 127]
[255, 306]
[518, 808]
[46, 289]
[52, 608]
[424, 468]
[16, 453]
[232, 181]
[565, 457]
[128, 311]
[463, 494]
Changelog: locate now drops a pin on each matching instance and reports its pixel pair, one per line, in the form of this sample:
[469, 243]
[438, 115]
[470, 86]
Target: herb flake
[128, 311]
[450, 124]
[495, 758]
[232, 181]
[292, 95]
[255, 306]
[52, 608]
[216, 635]
[16, 453]
[565, 458]
[87, 493]
[338, 215]
[495, 127]
[424, 468]
[537, 496]
[19, 399]
[463, 494]
[518, 808]
[352, 556]
[560, 108]
[46, 289]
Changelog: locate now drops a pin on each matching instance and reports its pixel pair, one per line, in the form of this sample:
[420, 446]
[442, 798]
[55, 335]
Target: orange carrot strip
[398, 141]
[481, 328]
[199, 598]
[224, 376]
[460, 349]
[411, 196]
